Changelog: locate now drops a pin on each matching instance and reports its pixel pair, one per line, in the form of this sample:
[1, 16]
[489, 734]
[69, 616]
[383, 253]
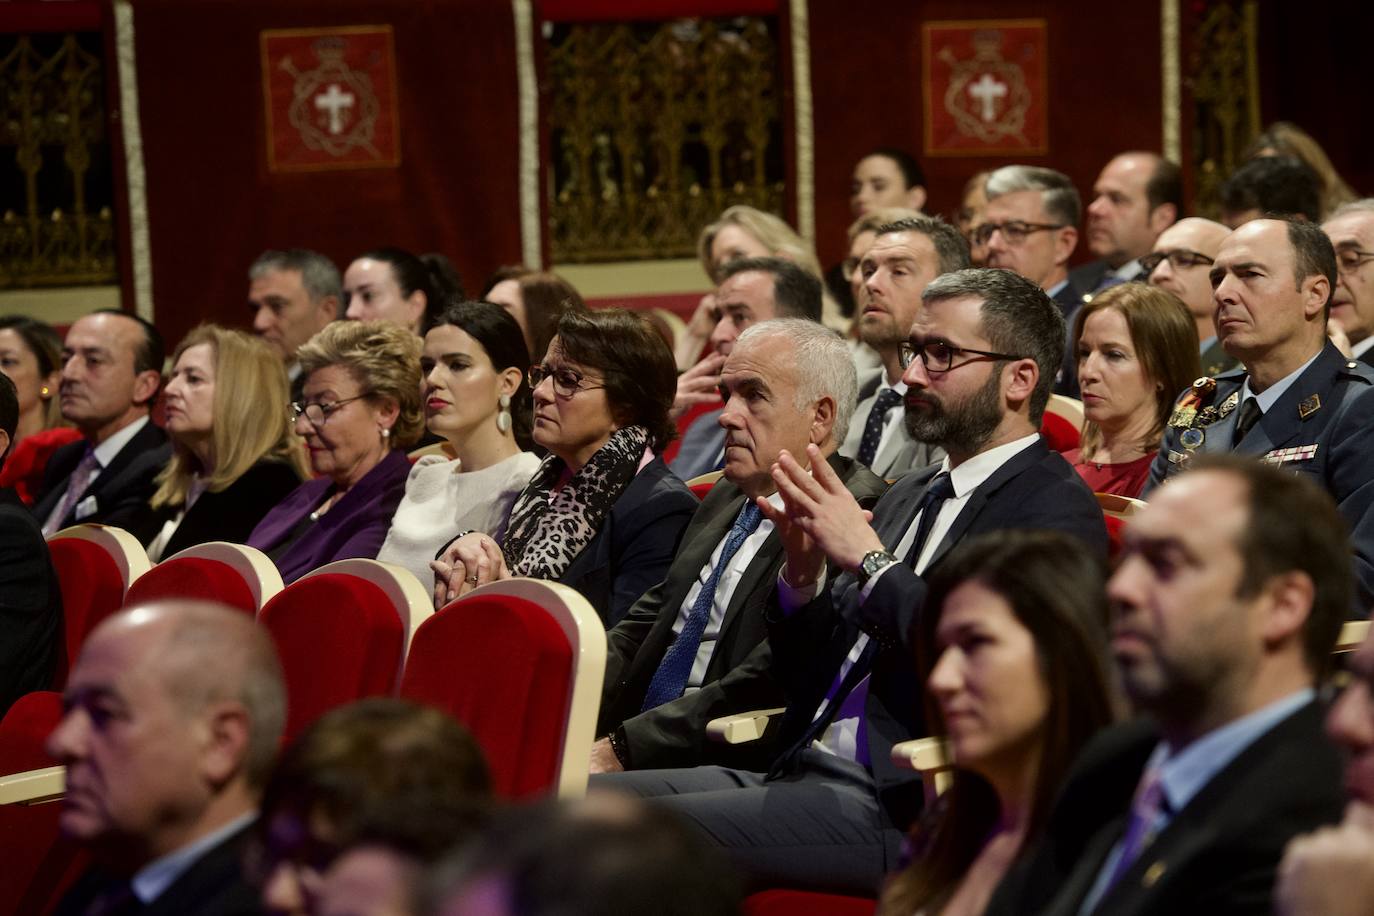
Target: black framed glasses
[318, 412]
[1014, 231]
[1350, 259]
[938, 355]
[566, 382]
[1179, 259]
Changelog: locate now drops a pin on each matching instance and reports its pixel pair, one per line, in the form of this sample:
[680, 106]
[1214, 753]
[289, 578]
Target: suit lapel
[1283, 422]
[1027, 457]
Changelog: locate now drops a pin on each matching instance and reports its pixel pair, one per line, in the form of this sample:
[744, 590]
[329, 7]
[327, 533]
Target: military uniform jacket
[1323, 425]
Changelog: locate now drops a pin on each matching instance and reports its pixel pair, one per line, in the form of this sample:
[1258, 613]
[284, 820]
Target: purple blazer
[354, 527]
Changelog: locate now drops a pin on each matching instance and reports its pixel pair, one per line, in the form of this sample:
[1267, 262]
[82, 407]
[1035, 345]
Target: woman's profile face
[462, 388]
[344, 440]
[988, 683]
[507, 295]
[190, 394]
[572, 415]
[21, 365]
[1116, 391]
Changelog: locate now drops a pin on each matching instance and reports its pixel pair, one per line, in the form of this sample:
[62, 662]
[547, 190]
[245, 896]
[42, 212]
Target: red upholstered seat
[670, 450]
[1114, 527]
[499, 661]
[806, 903]
[93, 586]
[25, 728]
[340, 638]
[193, 577]
[1060, 435]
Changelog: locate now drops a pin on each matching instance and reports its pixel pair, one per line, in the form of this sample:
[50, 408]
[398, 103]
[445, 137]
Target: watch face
[875, 561]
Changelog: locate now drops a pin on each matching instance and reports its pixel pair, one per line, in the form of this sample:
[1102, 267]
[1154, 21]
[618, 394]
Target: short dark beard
[962, 428]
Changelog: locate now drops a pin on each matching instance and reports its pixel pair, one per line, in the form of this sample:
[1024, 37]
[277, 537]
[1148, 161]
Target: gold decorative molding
[1170, 68]
[1224, 79]
[637, 278]
[59, 305]
[531, 240]
[803, 120]
[135, 171]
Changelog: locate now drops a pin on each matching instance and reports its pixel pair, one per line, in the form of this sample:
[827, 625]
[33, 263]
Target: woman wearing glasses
[602, 514]
[477, 400]
[1137, 349]
[233, 458]
[359, 411]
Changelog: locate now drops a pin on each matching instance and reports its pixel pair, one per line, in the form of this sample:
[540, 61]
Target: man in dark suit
[30, 600]
[1135, 198]
[1225, 613]
[174, 711]
[751, 290]
[111, 370]
[1295, 401]
[1032, 228]
[787, 383]
[293, 294]
[1351, 230]
[1182, 257]
[831, 813]
[920, 249]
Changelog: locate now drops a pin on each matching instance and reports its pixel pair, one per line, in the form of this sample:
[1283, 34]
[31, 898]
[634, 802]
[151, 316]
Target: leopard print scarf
[549, 528]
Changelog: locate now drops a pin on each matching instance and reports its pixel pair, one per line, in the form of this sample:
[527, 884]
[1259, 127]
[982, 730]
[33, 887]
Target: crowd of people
[892, 550]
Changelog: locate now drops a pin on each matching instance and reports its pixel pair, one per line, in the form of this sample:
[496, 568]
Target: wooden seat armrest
[1353, 633]
[33, 787]
[931, 758]
[741, 728]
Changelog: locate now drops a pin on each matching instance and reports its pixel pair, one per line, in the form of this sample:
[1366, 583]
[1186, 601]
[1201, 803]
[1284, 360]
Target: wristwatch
[872, 562]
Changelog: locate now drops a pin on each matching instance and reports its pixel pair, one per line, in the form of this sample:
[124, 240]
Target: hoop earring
[503, 417]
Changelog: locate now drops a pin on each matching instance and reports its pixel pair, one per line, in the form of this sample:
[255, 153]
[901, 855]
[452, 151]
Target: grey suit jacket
[702, 443]
[900, 453]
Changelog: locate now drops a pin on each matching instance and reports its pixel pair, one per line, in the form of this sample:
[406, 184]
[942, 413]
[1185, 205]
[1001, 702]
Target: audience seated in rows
[1135, 348]
[31, 355]
[1351, 230]
[830, 813]
[233, 456]
[360, 411]
[536, 300]
[602, 514]
[391, 284]
[1014, 647]
[293, 295]
[30, 600]
[111, 370]
[1180, 263]
[1224, 616]
[693, 647]
[173, 714]
[478, 400]
[1136, 196]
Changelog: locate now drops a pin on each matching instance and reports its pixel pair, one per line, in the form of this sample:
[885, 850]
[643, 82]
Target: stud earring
[386, 434]
[44, 392]
[503, 418]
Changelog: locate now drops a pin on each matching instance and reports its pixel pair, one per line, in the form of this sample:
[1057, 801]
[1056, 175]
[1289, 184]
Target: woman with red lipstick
[359, 411]
[1137, 350]
[477, 400]
[234, 456]
[1015, 644]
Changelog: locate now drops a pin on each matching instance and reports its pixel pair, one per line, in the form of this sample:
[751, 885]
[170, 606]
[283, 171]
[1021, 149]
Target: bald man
[1182, 257]
[174, 712]
[1135, 198]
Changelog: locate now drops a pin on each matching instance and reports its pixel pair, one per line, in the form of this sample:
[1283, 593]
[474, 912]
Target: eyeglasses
[566, 382]
[1179, 259]
[1349, 260]
[317, 412]
[938, 355]
[1014, 231]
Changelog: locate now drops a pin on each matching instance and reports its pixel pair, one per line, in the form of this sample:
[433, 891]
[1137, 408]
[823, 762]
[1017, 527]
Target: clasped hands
[819, 519]
[470, 562]
[1330, 872]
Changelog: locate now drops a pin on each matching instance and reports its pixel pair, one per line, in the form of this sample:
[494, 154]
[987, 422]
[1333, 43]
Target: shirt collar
[154, 878]
[1270, 396]
[1054, 290]
[1359, 348]
[105, 452]
[970, 475]
[1128, 271]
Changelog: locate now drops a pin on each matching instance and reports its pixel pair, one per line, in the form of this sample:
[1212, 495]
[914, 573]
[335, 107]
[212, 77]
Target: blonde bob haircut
[251, 422]
[383, 358]
[780, 239]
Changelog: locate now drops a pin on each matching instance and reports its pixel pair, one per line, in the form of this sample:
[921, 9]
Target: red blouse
[1126, 479]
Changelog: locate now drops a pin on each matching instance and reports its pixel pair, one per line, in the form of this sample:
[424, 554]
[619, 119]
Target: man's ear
[1019, 378]
[328, 309]
[916, 197]
[1316, 291]
[1162, 217]
[823, 423]
[227, 728]
[146, 384]
[1065, 241]
[1290, 603]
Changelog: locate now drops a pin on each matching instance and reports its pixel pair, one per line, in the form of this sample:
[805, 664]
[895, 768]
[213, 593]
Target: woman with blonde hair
[234, 455]
[1284, 138]
[359, 412]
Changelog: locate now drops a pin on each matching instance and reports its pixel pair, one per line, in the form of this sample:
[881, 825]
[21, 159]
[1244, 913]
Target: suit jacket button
[1152, 874]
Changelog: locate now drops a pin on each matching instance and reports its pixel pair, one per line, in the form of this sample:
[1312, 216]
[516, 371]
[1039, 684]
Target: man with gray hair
[293, 294]
[693, 648]
[833, 810]
[173, 715]
[1351, 230]
[903, 257]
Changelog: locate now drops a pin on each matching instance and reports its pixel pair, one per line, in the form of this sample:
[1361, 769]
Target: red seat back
[92, 589]
[1114, 526]
[340, 639]
[806, 903]
[502, 666]
[1060, 435]
[193, 577]
[688, 417]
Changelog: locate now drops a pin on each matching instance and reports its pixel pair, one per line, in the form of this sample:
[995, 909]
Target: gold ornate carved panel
[1224, 78]
[655, 128]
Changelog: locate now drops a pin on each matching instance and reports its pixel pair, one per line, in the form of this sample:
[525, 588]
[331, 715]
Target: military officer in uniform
[1295, 401]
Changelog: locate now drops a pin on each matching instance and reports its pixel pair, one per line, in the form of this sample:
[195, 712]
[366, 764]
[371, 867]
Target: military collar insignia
[1308, 406]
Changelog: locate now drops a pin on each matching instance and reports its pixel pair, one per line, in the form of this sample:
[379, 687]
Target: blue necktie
[939, 490]
[888, 398]
[671, 677]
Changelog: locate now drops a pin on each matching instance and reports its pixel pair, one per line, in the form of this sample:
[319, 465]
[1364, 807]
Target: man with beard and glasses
[831, 812]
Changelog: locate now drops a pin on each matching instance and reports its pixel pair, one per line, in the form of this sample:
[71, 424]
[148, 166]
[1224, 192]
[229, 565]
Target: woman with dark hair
[477, 400]
[1015, 643]
[603, 513]
[391, 284]
[1137, 349]
[31, 355]
[536, 299]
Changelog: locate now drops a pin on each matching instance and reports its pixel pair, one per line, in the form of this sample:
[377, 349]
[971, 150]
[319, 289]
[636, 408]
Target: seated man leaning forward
[693, 648]
[829, 815]
[173, 714]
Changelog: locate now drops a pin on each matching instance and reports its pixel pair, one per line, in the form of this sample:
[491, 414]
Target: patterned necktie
[888, 398]
[939, 490]
[671, 677]
[1140, 830]
[76, 485]
[1248, 415]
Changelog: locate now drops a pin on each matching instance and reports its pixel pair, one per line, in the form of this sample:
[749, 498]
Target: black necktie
[1246, 418]
[939, 490]
[887, 399]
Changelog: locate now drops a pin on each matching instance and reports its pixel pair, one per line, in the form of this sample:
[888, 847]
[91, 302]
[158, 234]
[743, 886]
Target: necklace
[325, 507]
